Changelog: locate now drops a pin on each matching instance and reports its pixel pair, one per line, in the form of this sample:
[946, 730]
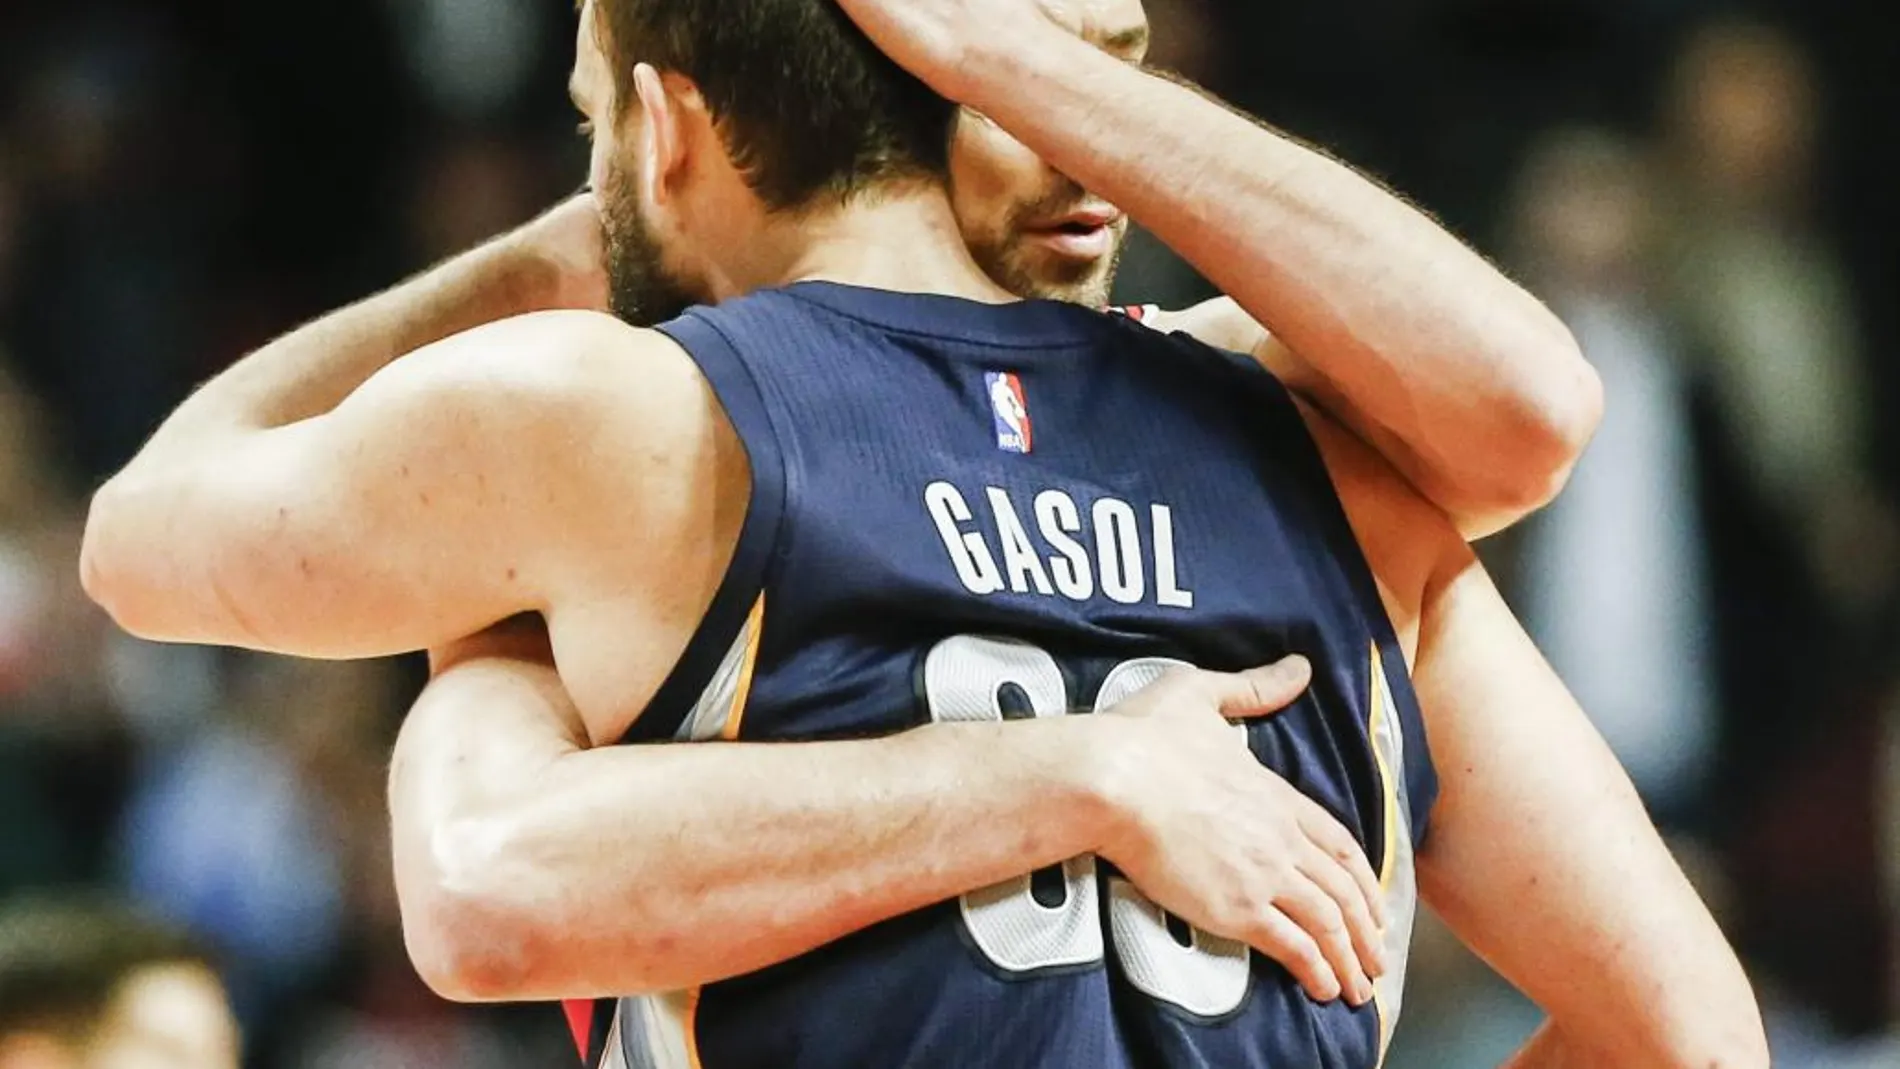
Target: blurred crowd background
[1703, 192]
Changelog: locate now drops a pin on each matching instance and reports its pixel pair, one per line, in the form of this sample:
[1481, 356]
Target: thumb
[1264, 691]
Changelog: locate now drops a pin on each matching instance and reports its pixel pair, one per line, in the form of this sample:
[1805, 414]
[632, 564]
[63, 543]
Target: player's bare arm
[499, 471]
[523, 878]
[302, 376]
[1476, 391]
[1541, 856]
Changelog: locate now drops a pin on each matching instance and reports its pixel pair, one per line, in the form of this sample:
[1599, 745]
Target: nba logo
[1010, 408]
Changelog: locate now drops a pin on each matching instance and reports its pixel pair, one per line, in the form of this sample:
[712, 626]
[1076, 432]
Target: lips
[1087, 233]
[1081, 220]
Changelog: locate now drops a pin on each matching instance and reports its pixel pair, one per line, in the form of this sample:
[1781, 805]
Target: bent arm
[1543, 860]
[1470, 386]
[415, 512]
[721, 858]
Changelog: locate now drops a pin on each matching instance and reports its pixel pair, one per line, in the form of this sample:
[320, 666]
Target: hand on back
[1213, 836]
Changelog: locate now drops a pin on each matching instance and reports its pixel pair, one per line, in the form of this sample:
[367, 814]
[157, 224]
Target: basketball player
[833, 448]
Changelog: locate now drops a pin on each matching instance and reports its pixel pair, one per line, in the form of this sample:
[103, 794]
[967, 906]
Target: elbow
[484, 920]
[1720, 1030]
[153, 582]
[1551, 422]
[1713, 1038]
[467, 937]
[463, 955]
[110, 564]
[1741, 1048]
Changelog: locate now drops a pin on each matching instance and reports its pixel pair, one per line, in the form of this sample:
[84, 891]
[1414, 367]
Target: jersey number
[1053, 919]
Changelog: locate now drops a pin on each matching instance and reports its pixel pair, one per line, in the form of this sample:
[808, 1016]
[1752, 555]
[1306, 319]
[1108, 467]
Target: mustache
[1057, 203]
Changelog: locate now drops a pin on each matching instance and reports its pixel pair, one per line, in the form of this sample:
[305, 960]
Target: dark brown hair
[807, 104]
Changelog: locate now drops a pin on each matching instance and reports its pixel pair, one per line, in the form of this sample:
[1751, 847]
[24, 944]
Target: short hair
[62, 962]
[807, 105]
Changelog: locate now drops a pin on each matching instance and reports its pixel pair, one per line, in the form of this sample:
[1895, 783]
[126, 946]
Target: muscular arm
[267, 468]
[1469, 385]
[439, 497]
[1544, 861]
[1541, 856]
[531, 867]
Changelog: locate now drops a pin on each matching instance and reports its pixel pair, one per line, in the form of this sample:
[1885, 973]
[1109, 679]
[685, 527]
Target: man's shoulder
[557, 367]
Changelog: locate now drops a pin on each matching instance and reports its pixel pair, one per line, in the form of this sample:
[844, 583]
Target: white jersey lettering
[968, 553]
[1070, 552]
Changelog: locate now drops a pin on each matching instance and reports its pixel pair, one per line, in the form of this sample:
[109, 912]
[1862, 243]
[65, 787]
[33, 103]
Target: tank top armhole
[748, 574]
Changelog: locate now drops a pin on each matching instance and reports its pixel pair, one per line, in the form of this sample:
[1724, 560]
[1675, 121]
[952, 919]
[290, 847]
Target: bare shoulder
[568, 360]
[1408, 542]
[614, 437]
[1220, 323]
[548, 391]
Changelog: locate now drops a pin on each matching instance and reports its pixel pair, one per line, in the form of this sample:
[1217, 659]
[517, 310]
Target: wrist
[1101, 760]
[528, 275]
[561, 258]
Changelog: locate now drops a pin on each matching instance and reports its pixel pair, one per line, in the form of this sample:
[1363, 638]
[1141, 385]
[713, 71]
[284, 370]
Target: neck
[904, 240]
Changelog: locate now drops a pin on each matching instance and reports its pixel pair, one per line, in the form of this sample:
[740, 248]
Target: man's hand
[1217, 839]
[933, 39]
[568, 240]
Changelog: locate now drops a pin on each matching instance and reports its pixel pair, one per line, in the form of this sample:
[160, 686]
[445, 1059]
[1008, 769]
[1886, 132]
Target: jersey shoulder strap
[1140, 313]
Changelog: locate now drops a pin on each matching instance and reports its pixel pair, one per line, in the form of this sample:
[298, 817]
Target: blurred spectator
[1614, 582]
[1770, 305]
[87, 984]
[1803, 540]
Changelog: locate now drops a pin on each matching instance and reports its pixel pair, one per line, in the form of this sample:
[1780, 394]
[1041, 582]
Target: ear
[662, 135]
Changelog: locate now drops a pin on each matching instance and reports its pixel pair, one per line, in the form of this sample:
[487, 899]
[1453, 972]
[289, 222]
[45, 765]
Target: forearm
[1543, 860]
[1392, 318]
[635, 869]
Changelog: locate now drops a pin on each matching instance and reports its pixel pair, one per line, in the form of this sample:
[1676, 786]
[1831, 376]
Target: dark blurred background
[1703, 190]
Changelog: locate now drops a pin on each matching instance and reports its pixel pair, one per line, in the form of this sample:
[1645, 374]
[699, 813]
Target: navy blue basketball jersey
[965, 512]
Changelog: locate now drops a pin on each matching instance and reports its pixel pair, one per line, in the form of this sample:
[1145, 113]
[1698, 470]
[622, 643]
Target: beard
[1042, 278]
[642, 290]
[1033, 275]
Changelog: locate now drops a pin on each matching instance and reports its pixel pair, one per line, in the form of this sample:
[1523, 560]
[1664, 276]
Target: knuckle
[1265, 936]
[1310, 960]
